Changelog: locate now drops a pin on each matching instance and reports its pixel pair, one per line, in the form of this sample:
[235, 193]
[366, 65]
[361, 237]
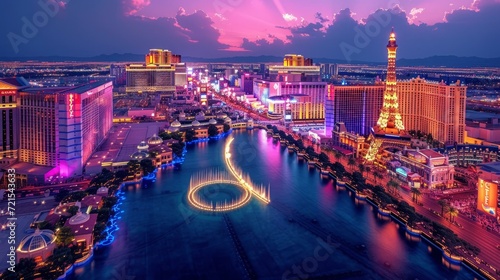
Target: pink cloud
[135, 5]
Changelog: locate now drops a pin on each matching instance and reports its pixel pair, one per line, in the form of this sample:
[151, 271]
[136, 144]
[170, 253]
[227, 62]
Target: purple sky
[342, 29]
[256, 19]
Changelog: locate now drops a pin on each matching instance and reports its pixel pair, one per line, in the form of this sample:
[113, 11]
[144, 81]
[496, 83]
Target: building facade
[299, 100]
[483, 132]
[465, 155]
[9, 119]
[435, 108]
[60, 128]
[343, 139]
[162, 72]
[433, 168]
[358, 107]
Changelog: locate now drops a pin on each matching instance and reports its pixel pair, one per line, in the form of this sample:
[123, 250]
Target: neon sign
[71, 104]
[487, 197]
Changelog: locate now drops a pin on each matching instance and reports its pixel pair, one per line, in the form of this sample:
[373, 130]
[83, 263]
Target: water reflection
[160, 235]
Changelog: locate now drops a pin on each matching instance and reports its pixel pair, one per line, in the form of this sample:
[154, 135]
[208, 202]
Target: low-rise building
[483, 132]
[470, 154]
[351, 141]
[38, 246]
[433, 168]
[82, 226]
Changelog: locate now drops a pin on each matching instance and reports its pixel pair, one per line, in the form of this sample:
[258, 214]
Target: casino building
[161, 73]
[293, 90]
[9, 117]
[431, 107]
[60, 128]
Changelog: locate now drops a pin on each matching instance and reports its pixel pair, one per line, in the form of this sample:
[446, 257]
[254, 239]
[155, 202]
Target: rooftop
[18, 82]
[84, 88]
[45, 90]
[77, 90]
[491, 167]
[122, 142]
[32, 169]
[85, 227]
[431, 154]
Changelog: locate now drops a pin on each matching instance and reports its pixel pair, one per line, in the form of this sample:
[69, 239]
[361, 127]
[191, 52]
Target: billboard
[487, 197]
[73, 106]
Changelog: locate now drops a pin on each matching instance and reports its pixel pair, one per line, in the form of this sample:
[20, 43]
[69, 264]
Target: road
[237, 106]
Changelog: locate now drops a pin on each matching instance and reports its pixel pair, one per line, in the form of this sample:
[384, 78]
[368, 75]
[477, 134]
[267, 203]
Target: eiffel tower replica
[389, 131]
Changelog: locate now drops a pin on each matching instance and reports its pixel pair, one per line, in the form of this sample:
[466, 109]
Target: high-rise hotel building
[358, 107]
[293, 90]
[430, 107]
[60, 128]
[9, 116]
[435, 108]
[161, 73]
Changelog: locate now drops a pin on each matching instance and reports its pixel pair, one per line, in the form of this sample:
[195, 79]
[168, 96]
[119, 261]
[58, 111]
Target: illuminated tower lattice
[389, 130]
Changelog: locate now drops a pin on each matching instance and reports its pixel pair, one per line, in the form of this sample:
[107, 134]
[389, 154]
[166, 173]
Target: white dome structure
[195, 123]
[39, 244]
[175, 124]
[182, 116]
[143, 146]
[139, 155]
[200, 116]
[221, 116]
[155, 140]
[102, 191]
[212, 121]
[228, 120]
[79, 218]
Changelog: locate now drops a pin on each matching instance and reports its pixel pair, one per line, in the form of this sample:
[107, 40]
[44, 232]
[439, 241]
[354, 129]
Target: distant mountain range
[434, 61]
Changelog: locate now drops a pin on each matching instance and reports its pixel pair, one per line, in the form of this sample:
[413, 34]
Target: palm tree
[415, 193]
[377, 175]
[418, 193]
[393, 186]
[368, 169]
[362, 169]
[443, 203]
[452, 211]
[351, 162]
[337, 155]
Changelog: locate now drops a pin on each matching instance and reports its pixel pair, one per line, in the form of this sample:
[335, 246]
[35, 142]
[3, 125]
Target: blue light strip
[112, 226]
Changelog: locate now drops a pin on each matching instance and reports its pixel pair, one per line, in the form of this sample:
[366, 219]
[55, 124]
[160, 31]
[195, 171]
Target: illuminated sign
[487, 197]
[71, 104]
[288, 114]
[7, 92]
[275, 89]
[401, 171]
